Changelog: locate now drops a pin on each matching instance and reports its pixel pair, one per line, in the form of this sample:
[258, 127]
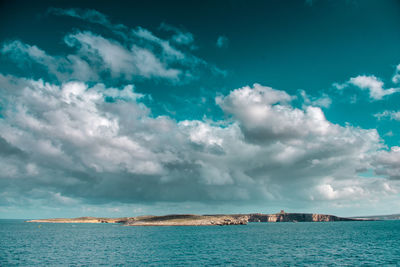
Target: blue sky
[199, 107]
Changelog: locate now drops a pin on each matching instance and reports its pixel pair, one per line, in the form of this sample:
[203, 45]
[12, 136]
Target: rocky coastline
[296, 217]
[198, 220]
[81, 220]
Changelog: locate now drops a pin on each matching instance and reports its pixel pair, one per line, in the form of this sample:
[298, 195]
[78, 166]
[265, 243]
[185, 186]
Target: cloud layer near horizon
[97, 144]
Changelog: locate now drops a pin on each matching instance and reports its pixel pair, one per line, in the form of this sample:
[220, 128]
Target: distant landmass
[380, 217]
[216, 219]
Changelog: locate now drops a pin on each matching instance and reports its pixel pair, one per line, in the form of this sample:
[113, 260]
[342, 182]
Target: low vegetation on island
[191, 219]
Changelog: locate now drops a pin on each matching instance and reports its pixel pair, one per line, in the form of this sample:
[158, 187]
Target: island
[198, 220]
[390, 217]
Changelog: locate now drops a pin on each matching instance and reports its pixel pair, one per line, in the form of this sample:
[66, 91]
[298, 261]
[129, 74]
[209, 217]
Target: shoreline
[204, 220]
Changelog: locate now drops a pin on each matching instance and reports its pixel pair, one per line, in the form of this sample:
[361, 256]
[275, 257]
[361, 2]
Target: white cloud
[370, 83]
[388, 163]
[70, 67]
[133, 54]
[179, 36]
[265, 115]
[373, 85]
[95, 54]
[396, 76]
[340, 86]
[69, 141]
[323, 101]
[355, 190]
[120, 60]
[303, 147]
[186, 66]
[392, 115]
[169, 52]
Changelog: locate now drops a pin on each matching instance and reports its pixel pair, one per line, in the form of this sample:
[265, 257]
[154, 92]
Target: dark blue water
[337, 243]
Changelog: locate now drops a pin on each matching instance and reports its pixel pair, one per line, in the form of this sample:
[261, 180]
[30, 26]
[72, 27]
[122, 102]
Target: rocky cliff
[295, 217]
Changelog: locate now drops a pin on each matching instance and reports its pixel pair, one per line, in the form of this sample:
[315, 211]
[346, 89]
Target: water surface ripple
[333, 243]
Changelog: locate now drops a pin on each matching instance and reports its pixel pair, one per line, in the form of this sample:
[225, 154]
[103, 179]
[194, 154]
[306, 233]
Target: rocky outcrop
[295, 217]
[187, 219]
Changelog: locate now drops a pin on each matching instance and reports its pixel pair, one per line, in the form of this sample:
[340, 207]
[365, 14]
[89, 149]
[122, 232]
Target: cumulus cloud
[68, 141]
[372, 84]
[388, 163]
[265, 115]
[392, 115]
[357, 190]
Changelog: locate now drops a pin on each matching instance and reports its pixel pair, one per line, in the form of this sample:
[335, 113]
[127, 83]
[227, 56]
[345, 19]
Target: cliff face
[295, 217]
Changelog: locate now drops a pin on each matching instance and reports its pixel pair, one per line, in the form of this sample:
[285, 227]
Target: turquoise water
[337, 243]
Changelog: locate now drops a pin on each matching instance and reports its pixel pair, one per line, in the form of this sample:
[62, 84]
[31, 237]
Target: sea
[257, 244]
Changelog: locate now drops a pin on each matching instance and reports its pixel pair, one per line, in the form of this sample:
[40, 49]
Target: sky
[129, 108]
